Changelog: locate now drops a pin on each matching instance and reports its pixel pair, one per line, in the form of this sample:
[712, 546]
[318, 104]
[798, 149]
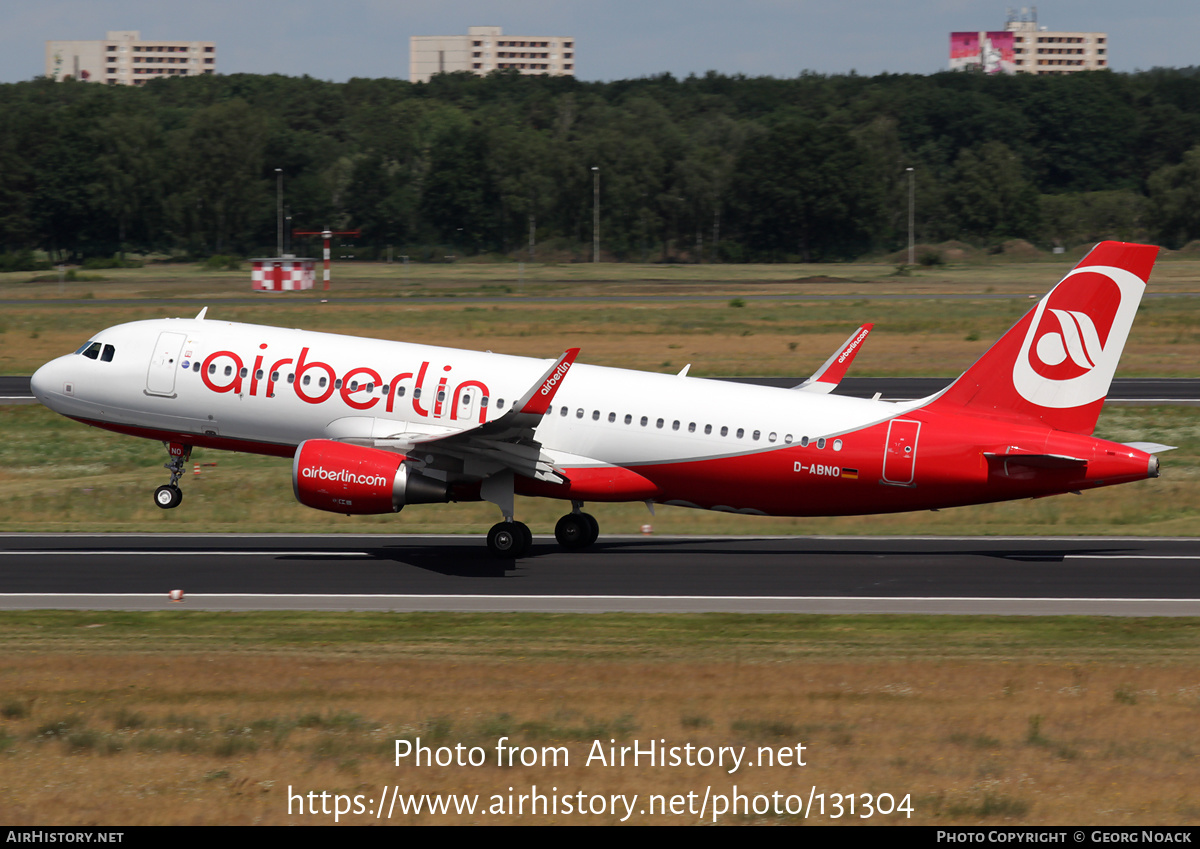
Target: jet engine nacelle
[341, 478]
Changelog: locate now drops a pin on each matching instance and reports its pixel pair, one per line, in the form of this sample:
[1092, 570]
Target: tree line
[707, 168]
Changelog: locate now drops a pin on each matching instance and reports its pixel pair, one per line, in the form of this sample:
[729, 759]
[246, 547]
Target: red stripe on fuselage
[200, 440]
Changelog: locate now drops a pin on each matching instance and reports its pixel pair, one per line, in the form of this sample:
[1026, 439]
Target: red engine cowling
[341, 478]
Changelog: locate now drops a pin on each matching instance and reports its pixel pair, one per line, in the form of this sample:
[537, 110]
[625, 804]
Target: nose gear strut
[170, 495]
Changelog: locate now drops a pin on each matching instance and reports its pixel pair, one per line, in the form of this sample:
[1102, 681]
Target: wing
[828, 376]
[505, 443]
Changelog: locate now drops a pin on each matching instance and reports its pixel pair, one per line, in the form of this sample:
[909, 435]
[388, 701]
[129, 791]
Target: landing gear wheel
[168, 496]
[594, 526]
[574, 532]
[509, 540]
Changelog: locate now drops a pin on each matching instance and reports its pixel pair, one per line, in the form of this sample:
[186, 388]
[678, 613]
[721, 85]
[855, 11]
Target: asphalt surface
[1020, 576]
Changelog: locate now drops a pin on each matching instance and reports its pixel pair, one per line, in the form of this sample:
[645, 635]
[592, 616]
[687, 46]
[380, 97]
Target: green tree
[988, 195]
[1175, 200]
[219, 156]
[129, 170]
[809, 189]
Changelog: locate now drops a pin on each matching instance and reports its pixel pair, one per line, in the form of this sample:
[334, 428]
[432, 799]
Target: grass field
[182, 718]
[788, 335]
[187, 718]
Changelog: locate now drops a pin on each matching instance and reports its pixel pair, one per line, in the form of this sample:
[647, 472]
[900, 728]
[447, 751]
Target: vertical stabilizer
[1056, 364]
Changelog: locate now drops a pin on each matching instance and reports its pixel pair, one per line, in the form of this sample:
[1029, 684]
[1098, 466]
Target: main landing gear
[511, 539]
[170, 495]
[576, 530]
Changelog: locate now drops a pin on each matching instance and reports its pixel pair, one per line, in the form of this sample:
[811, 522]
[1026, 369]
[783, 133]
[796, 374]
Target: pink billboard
[964, 50]
[989, 52]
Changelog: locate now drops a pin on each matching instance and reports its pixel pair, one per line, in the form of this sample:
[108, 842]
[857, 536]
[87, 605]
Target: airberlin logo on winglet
[854, 345]
[555, 377]
[1076, 337]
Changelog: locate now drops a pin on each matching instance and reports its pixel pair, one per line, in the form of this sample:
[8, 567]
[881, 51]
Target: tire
[574, 531]
[168, 497]
[593, 526]
[509, 540]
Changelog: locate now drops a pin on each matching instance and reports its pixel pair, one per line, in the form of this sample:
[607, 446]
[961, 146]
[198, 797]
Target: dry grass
[790, 334]
[973, 729]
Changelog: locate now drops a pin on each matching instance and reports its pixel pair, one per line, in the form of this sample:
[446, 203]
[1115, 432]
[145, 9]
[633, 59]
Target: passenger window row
[563, 412]
[676, 424]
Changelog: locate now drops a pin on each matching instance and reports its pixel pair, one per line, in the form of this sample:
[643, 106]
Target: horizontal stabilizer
[1150, 447]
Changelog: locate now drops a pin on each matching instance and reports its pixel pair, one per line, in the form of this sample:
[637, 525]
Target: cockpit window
[97, 351]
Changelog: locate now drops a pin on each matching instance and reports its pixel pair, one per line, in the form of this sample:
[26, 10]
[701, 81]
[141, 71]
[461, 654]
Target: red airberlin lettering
[301, 368]
[317, 393]
[234, 385]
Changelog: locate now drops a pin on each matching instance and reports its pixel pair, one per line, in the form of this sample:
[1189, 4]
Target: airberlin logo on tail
[1076, 337]
[1069, 347]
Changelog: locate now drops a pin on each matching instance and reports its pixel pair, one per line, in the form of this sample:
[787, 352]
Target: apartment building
[123, 58]
[1039, 51]
[486, 49]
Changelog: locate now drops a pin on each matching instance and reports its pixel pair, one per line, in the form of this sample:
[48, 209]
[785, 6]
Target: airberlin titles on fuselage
[232, 377]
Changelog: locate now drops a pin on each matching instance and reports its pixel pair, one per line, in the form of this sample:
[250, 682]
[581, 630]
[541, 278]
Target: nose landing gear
[170, 495]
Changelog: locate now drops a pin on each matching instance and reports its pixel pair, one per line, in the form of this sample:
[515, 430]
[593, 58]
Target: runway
[1104, 576]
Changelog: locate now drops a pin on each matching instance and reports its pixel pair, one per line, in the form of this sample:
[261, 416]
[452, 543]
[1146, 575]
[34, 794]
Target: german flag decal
[850, 473]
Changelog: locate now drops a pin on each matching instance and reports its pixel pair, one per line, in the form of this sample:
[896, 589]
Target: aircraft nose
[47, 383]
[39, 382]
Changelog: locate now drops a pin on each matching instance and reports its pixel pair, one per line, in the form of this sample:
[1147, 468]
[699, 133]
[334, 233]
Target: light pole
[279, 210]
[911, 198]
[595, 214]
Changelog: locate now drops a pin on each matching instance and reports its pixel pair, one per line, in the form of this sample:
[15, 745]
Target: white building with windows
[486, 49]
[123, 58]
[1040, 51]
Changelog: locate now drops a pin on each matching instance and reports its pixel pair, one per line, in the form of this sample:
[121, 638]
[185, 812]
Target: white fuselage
[600, 415]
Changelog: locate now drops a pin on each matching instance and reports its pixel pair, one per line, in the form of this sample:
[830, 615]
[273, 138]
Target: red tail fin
[1056, 363]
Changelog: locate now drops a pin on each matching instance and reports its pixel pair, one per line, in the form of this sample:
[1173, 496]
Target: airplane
[373, 426]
